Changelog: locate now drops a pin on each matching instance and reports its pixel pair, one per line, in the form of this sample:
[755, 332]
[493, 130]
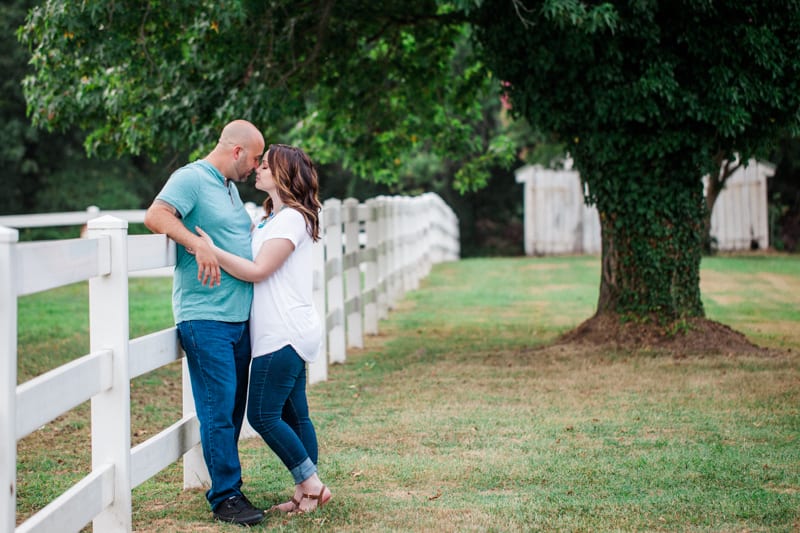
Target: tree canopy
[367, 84]
[47, 171]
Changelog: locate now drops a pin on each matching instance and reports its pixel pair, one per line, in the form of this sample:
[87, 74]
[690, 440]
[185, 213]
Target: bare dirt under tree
[692, 336]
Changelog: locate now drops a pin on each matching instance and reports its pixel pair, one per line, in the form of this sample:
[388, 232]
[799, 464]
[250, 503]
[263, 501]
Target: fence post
[425, 209]
[352, 272]
[318, 370]
[404, 235]
[111, 409]
[405, 227]
[382, 260]
[195, 472]
[413, 242]
[433, 230]
[371, 268]
[427, 218]
[393, 251]
[334, 317]
[388, 243]
[410, 244]
[8, 379]
[399, 247]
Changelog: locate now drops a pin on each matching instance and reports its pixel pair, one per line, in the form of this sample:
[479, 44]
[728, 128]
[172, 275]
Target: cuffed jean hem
[303, 471]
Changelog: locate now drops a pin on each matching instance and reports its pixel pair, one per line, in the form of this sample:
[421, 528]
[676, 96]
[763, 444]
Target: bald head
[240, 132]
[238, 151]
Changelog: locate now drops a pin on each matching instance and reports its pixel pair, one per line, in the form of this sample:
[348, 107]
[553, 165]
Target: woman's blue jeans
[277, 409]
[218, 356]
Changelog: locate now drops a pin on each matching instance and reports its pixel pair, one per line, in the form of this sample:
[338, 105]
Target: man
[212, 308]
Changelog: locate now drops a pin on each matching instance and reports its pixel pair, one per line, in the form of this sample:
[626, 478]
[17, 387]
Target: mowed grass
[462, 416]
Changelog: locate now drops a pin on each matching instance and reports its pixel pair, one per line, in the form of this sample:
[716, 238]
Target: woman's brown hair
[298, 184]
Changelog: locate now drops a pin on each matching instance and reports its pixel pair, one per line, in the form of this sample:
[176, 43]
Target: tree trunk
[712, 193]
[652, 246]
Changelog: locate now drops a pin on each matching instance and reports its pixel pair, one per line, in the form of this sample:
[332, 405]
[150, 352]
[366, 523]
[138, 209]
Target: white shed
[557, 221]
[740, 218]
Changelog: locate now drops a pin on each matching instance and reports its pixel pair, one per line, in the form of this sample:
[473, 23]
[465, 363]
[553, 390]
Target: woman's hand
[206, 237]
[207, 261]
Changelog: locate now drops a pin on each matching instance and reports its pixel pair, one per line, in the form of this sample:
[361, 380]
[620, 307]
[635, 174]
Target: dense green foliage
[646, 94]
[368, 85]
[48, 171]
[59, 176]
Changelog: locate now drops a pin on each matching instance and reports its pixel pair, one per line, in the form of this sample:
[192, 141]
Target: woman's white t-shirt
[283, 310]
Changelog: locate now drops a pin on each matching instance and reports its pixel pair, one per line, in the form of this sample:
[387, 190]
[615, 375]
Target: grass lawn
[462, 416]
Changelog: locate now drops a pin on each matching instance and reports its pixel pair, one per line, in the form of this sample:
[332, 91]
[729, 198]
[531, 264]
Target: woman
[285, 328]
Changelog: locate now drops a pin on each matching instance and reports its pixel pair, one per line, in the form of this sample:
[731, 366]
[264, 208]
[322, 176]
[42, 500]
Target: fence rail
[369, 255]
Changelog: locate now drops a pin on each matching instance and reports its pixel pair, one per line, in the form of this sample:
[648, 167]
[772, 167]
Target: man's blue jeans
[278, 409]
[218, 356]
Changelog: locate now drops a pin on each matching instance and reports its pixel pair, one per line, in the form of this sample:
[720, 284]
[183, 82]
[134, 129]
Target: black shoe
[238, 510]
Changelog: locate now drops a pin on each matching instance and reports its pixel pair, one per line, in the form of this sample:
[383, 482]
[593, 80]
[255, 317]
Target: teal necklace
[269, 217]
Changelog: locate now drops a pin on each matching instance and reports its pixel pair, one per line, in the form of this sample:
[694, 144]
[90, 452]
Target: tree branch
[322, 32]
[519, 7]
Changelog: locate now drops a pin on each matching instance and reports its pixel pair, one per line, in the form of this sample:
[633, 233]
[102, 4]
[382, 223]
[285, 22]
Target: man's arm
[161, 217]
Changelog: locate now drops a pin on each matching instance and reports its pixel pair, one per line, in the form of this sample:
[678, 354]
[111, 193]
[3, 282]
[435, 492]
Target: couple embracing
[242, 300]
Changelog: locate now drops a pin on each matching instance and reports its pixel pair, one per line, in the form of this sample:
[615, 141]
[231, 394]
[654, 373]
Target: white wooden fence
[388, 242]
[557, 221]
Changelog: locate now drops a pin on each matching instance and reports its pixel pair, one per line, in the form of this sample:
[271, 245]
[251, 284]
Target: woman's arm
[270, 257]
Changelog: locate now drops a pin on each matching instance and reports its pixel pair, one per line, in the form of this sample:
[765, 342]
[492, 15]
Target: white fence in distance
[557, 221]
[369, 255]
